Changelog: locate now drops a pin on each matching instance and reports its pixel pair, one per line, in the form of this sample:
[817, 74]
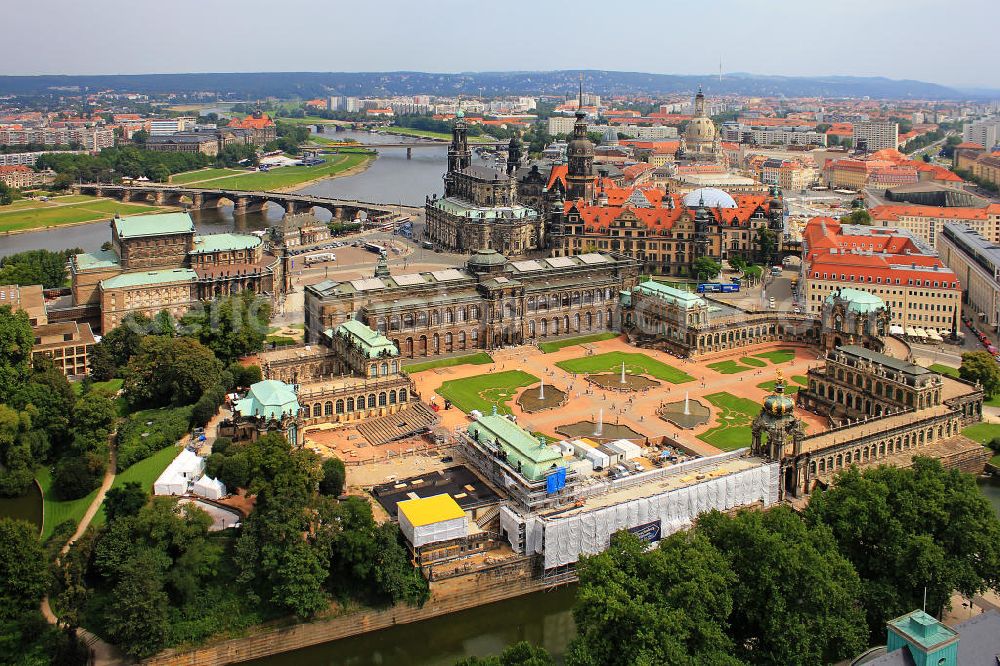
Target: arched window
[350, 404]
[421, 319]
[305, 411]
[381, 399]
[395, 367]
[392, 397]
[340, 406]
[385, 369]
[402, 395]
[371, 401]
[328, 408]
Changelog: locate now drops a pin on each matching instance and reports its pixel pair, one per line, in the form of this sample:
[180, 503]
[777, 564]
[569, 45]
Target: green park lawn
[778, 356]
[635, 363]
[755, 362]
[482, 392]
[944, 370]
[65, 210]
[549, 347]
[145, 472]
[733, 419]
[54, 511]
[290, 176]
[481, 358]
[188, 177]
[984, 433]
[728, 367]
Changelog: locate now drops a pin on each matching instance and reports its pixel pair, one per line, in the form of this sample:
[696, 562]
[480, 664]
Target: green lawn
[729, 367]
[798, 379]
[56, 511]
[944, 370]
[637, 364]
[289, 176]
[482, 392]
[481, 358]
[549, 347]
[755, 362]
[111, 386]
[280, 340]
[733, 418]
[202, 174]
[983, 433]
[778, 356]
[54, 213]
[145, 472]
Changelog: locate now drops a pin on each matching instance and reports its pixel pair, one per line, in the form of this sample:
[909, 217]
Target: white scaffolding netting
[588, 533]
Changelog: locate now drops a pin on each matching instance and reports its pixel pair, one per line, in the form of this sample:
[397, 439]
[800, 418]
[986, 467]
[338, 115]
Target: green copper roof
[97, 259]
[858, 301]
[922, 629]
[159, 224]
[536, 459]
[372, 342]
[223, 242]
[145, 278]
[683, 299]
[270, 399]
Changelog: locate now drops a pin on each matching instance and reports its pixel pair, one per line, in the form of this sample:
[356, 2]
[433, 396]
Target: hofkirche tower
[580, 154]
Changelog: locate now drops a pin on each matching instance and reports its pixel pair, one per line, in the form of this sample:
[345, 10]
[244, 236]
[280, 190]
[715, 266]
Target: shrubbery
[146, 432]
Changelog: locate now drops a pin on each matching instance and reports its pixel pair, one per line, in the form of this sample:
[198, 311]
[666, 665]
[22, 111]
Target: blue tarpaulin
[555, 481]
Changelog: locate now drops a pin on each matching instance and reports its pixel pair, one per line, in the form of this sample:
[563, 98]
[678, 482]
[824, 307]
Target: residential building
[871, 136]
[560, 125]
[28, 159]
[926, 222]
[893, 264]
[803, 135]
[976, 261]
[986, 133]
[89, 138]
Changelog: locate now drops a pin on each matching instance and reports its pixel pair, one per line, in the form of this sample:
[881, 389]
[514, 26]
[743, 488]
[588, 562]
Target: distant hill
[564, 82]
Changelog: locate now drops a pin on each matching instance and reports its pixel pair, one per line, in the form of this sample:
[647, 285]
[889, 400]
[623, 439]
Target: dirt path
[103, 654]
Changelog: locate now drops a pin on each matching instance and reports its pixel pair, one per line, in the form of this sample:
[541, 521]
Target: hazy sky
[915, 39]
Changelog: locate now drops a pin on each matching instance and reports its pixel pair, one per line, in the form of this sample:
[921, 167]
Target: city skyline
[877, 40]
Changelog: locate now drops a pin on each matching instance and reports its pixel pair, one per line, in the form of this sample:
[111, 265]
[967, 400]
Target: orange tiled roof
[249, 122]
[892, 212]
[970, 145]
[17, 168]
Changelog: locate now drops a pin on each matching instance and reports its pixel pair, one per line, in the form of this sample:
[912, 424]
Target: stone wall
[267, 641]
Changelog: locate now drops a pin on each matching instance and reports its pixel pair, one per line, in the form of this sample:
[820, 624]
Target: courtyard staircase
[488, 516]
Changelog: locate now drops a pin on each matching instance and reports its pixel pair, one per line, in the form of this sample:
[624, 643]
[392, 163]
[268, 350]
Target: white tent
[179, 474]
[921, 333]
[209, 488]
[896, 329]
[934, 335]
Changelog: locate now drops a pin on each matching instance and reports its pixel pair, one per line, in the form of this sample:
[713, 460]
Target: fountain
[599, 430]
[540, 397]
[685, 413]
[623, 372]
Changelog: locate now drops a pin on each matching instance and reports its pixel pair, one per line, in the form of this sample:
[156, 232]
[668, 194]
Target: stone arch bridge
[245, 201]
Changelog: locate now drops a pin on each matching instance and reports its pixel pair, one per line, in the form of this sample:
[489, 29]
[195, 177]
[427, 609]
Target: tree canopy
[43, 267]
[706, 268]
[170, 371]
[981, 367]
[907, 529]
